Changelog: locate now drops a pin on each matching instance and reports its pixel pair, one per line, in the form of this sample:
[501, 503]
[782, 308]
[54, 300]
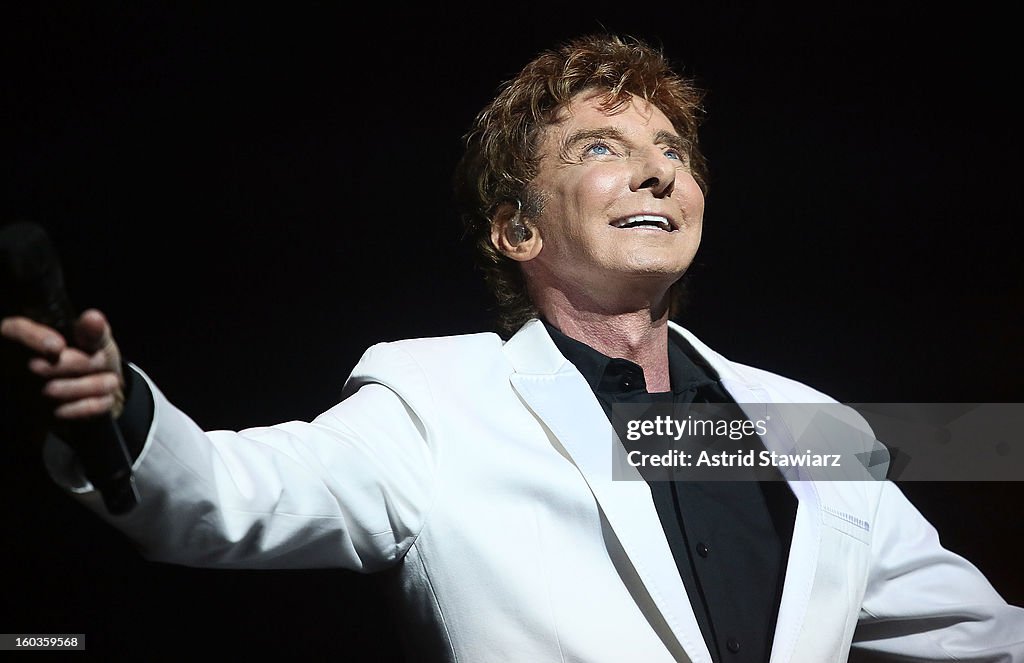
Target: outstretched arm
[925, 603]
[349, 489]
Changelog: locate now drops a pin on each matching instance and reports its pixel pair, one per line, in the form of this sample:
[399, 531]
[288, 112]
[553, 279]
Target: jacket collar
[532, 351]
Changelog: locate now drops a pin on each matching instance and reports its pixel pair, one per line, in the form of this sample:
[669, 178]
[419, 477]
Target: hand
[82, 381]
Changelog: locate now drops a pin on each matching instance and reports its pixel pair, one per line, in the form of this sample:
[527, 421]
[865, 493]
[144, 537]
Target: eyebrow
[580, 135]
[672, 140]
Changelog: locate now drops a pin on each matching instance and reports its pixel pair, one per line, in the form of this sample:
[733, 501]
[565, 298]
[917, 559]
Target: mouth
[647, 222]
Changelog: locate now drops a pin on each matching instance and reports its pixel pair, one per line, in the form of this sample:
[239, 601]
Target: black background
[254, 195]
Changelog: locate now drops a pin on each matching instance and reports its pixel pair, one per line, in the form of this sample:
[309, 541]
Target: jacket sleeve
[350, 489]
[925, 603]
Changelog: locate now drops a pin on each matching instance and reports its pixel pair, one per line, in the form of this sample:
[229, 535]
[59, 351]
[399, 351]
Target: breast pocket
[847, 523]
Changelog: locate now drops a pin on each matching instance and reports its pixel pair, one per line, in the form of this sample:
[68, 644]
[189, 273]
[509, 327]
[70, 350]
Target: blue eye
[599, 149]
[674, 154]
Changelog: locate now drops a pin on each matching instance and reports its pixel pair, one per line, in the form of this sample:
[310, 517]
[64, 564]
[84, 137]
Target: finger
[89, 386]
[69, 363]
[92, 332]
[86, 407]
[35, 336]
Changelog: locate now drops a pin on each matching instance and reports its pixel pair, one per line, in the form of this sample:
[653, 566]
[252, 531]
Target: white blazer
[482, 470]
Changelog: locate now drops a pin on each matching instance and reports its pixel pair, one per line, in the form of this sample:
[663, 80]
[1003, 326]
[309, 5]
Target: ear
[504, 235]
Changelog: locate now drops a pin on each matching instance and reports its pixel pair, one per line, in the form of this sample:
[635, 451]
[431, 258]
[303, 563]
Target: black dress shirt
[730, 539]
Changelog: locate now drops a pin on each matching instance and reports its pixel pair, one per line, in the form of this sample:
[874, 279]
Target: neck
[637, 332]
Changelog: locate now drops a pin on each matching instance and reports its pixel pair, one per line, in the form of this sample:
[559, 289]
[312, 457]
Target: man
[481, 469]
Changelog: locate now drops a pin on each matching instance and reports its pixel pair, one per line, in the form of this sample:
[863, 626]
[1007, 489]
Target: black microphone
[33, 286]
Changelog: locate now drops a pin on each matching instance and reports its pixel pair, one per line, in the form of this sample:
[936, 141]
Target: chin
[651, 277]
[671, 269]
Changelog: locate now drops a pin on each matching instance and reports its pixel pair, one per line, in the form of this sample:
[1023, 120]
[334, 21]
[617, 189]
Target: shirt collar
[687, 370]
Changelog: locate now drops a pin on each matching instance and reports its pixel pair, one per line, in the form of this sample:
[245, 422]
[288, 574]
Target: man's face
[620, 209]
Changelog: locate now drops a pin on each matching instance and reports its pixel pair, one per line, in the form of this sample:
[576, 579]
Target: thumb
[92, 332]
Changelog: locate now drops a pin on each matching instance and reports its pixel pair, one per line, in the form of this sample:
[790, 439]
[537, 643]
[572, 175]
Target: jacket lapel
[805, 546]
[558, 394]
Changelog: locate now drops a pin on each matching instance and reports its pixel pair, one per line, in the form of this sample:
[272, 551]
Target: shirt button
[627, 383]
[733, 645]
[702, 549]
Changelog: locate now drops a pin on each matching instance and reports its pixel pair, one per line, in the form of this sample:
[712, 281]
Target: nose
[656, 172]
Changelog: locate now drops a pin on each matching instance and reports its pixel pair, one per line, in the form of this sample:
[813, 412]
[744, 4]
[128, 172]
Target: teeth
[644, 219]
